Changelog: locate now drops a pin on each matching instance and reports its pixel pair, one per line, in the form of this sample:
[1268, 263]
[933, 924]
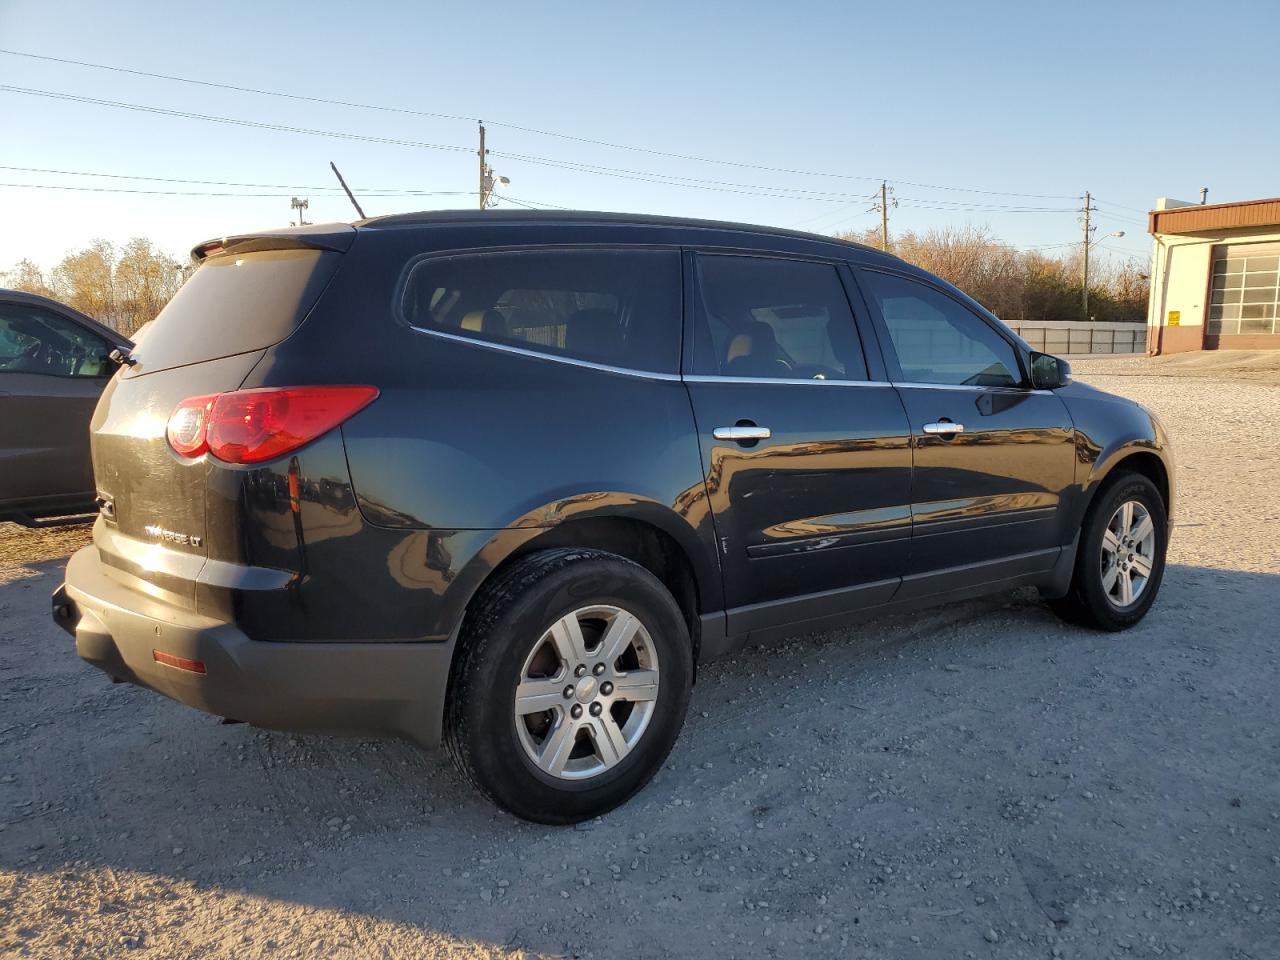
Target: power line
[848, 211]
[532, 204]
[1112, 215]
[234, 87]
[283, 128]
[364, 192]
[1121, 206]
[209, 193]
[720, 186]
[522, 128]
[228, 183]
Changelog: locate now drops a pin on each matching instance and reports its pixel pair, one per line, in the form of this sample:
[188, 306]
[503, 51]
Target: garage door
[1244, 296]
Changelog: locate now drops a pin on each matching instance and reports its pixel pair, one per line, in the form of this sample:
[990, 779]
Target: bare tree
[123, 289]
[1022, 285]
[145, 281]
[29, 277]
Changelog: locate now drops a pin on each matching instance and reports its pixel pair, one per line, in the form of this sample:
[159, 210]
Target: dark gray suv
[502, 480]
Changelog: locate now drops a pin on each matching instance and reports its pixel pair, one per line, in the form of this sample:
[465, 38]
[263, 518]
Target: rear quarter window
[615, 307]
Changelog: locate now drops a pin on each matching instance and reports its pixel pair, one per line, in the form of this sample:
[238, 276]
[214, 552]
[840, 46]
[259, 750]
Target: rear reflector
[180, 663]
[251, 426]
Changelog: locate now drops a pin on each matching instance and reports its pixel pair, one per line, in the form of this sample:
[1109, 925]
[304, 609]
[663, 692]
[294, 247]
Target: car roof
[339, 236]
[570, 217]
[57, 306]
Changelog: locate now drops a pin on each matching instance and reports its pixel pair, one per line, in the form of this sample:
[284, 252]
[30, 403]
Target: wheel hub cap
[586, 691]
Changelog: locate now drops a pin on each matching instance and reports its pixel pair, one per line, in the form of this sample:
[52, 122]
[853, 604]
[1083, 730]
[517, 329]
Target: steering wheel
[816, 371]
[26, 359]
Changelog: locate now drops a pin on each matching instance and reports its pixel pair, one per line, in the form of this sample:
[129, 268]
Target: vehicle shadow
[808, 773]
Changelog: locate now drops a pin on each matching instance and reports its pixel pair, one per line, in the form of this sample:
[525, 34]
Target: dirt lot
[978, 781]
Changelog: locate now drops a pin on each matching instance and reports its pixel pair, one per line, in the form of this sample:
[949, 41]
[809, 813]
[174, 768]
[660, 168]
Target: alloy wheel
[1128, 553]
[586, 692]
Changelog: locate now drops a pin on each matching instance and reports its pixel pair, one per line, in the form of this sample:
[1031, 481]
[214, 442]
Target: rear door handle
[742, 433]
[944, 428]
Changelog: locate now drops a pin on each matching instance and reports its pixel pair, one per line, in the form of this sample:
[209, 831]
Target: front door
[807, 458]
[52, 372]
[992, 457]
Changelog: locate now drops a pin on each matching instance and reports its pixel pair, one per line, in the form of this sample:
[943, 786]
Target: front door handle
[944, 428]
[742, 433]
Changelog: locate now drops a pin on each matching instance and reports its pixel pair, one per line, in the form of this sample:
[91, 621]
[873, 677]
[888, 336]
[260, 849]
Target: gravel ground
[976, 781]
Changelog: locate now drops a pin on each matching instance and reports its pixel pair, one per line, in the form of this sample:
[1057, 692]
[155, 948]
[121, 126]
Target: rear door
[52, 371]
[806, 453]
[992, 457]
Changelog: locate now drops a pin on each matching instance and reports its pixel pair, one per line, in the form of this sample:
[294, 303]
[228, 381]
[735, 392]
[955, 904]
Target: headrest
[490, 322]
[739, 346]
[757, 340]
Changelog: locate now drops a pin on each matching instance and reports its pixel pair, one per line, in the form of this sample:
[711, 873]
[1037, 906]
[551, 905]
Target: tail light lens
[188, 426]
[251, 426]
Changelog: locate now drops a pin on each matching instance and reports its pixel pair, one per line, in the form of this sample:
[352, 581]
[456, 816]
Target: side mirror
[1049, 372]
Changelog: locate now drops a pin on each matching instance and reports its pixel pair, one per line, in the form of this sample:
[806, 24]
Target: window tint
[237, 303]
[620, 308]
[787, 319]
[33, 340]
[937, 339]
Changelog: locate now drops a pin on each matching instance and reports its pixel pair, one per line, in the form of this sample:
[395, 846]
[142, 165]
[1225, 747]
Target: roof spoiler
[321, 236]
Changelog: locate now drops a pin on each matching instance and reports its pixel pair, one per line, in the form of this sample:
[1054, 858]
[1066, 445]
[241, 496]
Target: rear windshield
[235, 304]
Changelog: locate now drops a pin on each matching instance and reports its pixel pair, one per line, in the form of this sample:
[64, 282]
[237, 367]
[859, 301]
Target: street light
[491, 182]
[1089, 246]
[1114, 233]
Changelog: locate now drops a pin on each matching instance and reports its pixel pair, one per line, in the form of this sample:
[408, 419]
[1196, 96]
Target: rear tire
[570, 687]
[1121, 558]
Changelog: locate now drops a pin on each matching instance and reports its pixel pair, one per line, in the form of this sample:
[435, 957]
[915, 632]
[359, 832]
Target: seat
[594, 333]
[755, 353]
[487, 323]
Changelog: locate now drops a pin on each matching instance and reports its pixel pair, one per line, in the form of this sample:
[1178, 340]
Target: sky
[998, 115]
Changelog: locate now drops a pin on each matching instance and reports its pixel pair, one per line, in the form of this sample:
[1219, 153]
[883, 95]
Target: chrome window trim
[710, 378]
[969, 387]
[539, 355]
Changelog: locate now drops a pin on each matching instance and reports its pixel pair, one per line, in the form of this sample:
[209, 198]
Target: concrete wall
[1078, 337]
[1180, 268]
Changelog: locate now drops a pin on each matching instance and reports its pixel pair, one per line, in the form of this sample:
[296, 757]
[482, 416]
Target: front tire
[1121, 558]
[572, 680]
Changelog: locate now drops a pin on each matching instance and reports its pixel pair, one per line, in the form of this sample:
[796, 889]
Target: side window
[937, 339]
[616, 307]
[785, 319]
[33, 340]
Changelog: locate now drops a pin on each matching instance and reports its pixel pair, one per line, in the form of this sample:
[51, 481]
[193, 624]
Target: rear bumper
[361, 688]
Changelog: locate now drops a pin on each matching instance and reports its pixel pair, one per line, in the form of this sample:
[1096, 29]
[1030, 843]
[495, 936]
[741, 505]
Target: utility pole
[884, 216]
[487, 178]
[484, 195]
[1085, 298]
[881, 206]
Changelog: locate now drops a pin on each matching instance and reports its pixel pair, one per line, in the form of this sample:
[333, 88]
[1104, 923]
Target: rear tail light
[250, 426]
